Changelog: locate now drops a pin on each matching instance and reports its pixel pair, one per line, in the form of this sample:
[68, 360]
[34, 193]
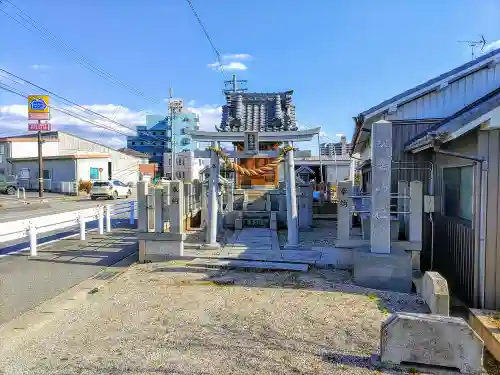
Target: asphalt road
[26, 282]
[15, 210]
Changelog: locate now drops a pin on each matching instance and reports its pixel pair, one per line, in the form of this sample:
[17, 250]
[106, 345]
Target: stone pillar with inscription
[305, 206]
[213, 181]
[158, 197]
[176, 207]
[381, 155]
[166, 204]
[142, 215]
[344, 204]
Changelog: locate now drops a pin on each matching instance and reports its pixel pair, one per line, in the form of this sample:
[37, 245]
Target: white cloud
[492, 46]
[237, 56]
[231, 62]
[40, 67]
[14, 121]
[233, 65]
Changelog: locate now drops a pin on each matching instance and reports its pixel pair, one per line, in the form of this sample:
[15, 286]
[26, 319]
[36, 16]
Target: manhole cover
[104, 275]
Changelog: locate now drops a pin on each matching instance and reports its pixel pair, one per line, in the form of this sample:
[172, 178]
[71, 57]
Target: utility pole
[174, 106]
[171, 121]
[40, 163]
[233, 85]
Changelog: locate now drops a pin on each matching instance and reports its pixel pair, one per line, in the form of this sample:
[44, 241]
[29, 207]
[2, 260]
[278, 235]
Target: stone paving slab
[248, 264]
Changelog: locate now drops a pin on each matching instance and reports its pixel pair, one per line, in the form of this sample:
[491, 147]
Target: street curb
[34, 319]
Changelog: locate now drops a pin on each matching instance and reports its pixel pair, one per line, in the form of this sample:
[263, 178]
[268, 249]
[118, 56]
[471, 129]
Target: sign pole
[40, 164]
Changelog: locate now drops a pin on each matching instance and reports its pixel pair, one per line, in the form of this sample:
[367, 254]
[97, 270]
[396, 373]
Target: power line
[82, 108]
[207, 35]
[13, 90]
[70, 51]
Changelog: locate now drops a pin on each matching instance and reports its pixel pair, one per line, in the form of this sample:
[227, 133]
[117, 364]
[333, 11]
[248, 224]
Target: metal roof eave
[434, 83]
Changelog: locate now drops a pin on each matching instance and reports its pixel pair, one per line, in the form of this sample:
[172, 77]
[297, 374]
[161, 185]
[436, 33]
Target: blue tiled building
[155, 138]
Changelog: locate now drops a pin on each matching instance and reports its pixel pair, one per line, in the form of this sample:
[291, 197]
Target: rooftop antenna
[233, 85]
[473, 44]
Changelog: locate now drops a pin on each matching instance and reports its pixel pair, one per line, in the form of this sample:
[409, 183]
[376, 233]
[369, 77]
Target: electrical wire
[207, 35]
[18, 79]
[13, 90]
[72, 53]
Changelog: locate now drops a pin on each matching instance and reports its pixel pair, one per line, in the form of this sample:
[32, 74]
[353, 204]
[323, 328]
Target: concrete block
[167, 249]
[382, 271]
[431, 340]
[238, 223]
[341, 258]
[435, 293]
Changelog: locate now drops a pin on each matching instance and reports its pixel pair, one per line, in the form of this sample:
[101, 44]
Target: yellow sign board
[38, 107]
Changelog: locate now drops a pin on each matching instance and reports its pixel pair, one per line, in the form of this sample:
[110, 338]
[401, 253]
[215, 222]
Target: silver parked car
[112, 189]
[8, 184]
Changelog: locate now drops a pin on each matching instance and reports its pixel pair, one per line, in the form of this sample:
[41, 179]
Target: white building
[66, 158]
[187, 167]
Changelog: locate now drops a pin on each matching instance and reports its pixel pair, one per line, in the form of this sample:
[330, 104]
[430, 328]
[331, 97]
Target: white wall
[343, 172]
[187, 167]
[30, 149]
[84, 165]
[123, 167]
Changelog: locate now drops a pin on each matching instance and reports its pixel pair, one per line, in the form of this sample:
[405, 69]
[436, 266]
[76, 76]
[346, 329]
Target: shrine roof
[254, 111]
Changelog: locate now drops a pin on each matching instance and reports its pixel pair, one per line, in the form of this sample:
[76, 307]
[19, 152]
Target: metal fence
[454, 257]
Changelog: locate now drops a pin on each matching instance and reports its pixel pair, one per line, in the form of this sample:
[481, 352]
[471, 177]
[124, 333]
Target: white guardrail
[19, 229]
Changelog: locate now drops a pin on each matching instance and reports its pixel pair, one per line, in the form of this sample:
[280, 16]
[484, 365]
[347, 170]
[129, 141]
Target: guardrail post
[132, 209]
[32, 233]
[108, 218]
[82, 227]
[100, 220]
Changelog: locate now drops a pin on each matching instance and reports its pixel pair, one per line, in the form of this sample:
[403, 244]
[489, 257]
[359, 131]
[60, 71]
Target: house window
[458, 194]
[46, 174]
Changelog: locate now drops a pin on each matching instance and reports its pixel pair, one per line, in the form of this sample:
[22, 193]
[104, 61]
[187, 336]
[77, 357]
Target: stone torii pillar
[213, 181]
[291, 197]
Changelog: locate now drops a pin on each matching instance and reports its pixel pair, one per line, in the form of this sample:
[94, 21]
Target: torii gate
[251, 141]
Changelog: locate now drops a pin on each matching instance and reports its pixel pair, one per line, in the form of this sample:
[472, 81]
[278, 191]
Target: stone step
[245, 264]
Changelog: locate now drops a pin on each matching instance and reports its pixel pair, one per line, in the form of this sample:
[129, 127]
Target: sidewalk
[26, 282]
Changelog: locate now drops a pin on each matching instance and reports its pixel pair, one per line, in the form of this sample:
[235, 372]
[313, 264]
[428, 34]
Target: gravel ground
[168, 319]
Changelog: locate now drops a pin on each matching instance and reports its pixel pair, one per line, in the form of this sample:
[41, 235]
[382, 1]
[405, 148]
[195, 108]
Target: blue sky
[341, 57]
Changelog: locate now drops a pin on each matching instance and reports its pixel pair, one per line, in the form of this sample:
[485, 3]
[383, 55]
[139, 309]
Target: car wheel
[93, 198]
[115, 195]
[11, 190]
[129, 193]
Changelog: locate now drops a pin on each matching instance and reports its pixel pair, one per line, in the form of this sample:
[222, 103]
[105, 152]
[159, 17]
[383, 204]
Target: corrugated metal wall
[455, 96]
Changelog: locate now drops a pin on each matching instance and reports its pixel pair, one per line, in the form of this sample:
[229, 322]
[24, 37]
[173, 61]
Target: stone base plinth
[160, 246]
[382, 271]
